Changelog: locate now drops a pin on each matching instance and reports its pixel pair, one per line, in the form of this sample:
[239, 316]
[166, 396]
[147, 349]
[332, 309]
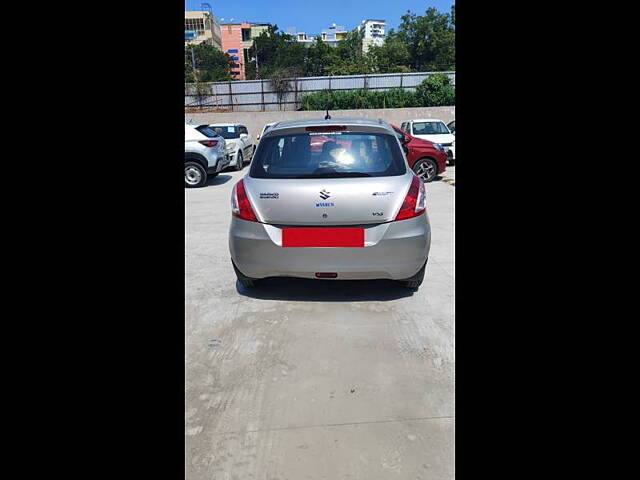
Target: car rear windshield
[206, 131]
[328, 155]
[227, 132]
[429, 128]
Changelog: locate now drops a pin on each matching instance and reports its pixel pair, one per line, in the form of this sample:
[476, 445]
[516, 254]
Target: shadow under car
[218, 180]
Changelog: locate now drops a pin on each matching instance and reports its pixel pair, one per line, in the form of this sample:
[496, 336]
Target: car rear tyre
[245, 281]
[194, 175]
[239, 161]
[415, 281]
[426, 169]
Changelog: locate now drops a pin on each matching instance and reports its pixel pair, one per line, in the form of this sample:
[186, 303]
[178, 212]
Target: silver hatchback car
[330, 199]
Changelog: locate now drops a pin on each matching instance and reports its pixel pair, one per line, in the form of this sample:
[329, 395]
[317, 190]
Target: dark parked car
[426, 159]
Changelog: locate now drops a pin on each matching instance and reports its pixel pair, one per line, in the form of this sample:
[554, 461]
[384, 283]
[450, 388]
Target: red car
[425, 158]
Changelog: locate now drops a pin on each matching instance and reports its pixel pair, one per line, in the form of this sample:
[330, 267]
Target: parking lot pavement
[449, 175]
[316, 379]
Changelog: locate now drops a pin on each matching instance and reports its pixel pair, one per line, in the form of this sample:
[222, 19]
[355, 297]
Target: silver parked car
[330, 199]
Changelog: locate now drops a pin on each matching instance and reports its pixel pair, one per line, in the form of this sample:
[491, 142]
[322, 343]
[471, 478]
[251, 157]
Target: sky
[312, 16]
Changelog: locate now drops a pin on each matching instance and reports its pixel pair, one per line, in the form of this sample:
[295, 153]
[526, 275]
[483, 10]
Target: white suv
[264, 129]
[204, 154]
[239, 142]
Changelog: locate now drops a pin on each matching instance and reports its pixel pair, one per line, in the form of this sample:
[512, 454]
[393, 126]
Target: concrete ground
[306, 379]
[450, 173]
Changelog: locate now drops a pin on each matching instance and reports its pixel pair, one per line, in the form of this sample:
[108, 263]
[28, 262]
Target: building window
[246, 34]
[196, 24]
[246, 56]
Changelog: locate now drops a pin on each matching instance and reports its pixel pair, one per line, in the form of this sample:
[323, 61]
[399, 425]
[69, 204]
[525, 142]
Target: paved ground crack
[344, 424]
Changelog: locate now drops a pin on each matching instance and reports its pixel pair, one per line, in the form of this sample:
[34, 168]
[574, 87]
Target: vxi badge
[269, 195]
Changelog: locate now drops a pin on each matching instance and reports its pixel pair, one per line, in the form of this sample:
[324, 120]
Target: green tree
[272, 51]
[350, 49]
[430, 39]
[349, 58]
[319, 59]
[189, 73]
[212, 65]
[391, 57]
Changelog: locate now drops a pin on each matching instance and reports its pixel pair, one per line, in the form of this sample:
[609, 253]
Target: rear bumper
[395, 250]
[451, 152]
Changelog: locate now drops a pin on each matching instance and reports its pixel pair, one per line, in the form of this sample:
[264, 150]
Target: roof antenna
[327, 116]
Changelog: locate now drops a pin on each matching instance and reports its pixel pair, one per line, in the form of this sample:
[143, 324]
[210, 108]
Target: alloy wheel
[426, 171]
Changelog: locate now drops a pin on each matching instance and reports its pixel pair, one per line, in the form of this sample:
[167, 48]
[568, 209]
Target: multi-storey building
[237, 39]
[301, 37]
[201, 26]
[372, 32]
[332, 35]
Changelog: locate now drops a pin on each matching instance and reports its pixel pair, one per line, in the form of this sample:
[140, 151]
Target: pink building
[237, 39]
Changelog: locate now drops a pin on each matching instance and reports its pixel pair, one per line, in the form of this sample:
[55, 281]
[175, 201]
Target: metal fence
[259, 95]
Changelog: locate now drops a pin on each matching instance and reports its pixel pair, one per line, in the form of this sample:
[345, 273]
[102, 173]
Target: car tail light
[209, 143]
[240, 204]
[415, 202]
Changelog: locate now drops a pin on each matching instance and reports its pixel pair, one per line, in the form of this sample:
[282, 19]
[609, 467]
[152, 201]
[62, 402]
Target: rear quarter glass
[207, 131]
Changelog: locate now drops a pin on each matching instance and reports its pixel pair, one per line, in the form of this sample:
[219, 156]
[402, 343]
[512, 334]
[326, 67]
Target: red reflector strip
[326, 275]
[323, 237]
